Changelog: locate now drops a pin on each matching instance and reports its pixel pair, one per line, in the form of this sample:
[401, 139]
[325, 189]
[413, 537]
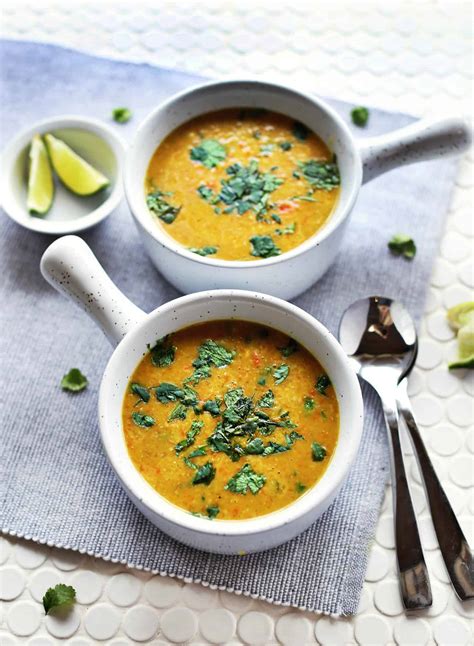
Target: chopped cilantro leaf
[201, 450]
[179, 412]
[280, 373]
[58, 597]
[322, 384]
[247, 189]
[212, 406]
[267, 400]
[140, 391]
[264, 247]
[162, 208]
[213, 353]
[162, 353]
[167, 392]
[212, 511]
[203, 251]
[300, 131]
[255, 446]
[74, 381]
[207, 194]
[246, 480]
[203, 372]
[402, 244]
[318, 452]
[276, 218]
[286, 145]
[209, 152]
[144, 421]
[300, 487]
[205, 474]
[292, 437]
[321, 174]
[121, 115]
[309, 404]
[360, 116]
[289, 229]
[290, 348]
[190, 437]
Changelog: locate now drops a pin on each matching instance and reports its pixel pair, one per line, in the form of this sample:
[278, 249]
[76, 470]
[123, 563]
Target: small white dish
[69, 213]
[131, 330]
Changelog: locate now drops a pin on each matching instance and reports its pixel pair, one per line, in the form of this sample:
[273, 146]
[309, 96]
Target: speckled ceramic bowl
[69, 265]
[295, 271]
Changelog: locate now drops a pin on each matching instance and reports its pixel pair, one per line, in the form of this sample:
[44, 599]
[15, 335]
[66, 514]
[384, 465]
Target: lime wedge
[73, 171]
[40, 179]
[461, 319]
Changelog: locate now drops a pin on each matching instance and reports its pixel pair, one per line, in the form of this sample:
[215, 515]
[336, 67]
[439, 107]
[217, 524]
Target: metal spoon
[380, 338]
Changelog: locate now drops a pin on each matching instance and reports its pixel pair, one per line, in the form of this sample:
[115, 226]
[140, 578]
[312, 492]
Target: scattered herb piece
[255, 446]
[246, 480]
[318, 452]
[321, 174]
[309, 404]
[290, 348]
[267, 400]
[209, 152]
[74, 381]
[121, 115]
[285, 145]
[276, 218]
[201, 450]
[300, 487]
[140, 391]
[190, 437]
[360, 116]
[60, 596]
[162, 353]
[281, 373]
[203, 251]
[198, 375]
[212, 511]
[300, 131]
[247, 189]
[205, 474]
[213, 353]
[162, 208]
[264, 247]
[292, 437]
[144, 421]
[212, 406]
[179, 412]
[402, 244]
[261, 381]
[322, 384]
[167, 392]
[207, 194]
[289, 229]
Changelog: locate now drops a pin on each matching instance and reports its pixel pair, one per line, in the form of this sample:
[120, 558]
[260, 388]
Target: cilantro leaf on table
[209, 152]
[360, 116]
[74, 381]
[121, 115]
[246, 480]
[403, 245]
[60, 596]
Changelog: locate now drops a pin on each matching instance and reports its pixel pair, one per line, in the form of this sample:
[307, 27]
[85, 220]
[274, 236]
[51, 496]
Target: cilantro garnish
[211, 512]
[162, 208]
[213, 353]
[167, 392]
[247, 189]
[209, 152]
[290, 348]
[190, 437]
[212, 406]
[318, 452]
[179, 412]
[264, 247]
[207, 194]
[60, 596]
[246, 480]
[144, 421]
[205, 474]
[300, 487]
[360, 116]
[121, 115]
[267, 400]
[402, 244]
[162, 353]
[321, 174]
[203, 372]
[285, 145]
[300, 131]
[322, 384]
[201, 450]
[289, 229]
[140, 391]
[203, 251]
[74, 381]
[309, 404]
[280, 373]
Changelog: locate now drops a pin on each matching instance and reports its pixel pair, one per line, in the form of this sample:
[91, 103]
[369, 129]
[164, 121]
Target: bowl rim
[13, 148]
[142, 216]
[143, 494]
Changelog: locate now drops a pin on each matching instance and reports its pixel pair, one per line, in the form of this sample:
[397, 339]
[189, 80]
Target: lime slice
[40, 179]
[73, 171]
[461, 318]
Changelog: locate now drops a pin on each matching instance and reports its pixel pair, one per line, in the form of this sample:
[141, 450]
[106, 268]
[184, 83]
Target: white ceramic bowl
[69, 213]
[293, 272]
[132, 329]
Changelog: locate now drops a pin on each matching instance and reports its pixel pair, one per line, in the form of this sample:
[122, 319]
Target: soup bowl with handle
[69, 265]
[292, 272]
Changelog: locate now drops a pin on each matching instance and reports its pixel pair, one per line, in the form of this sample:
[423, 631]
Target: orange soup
[230, 419]
[242, 184]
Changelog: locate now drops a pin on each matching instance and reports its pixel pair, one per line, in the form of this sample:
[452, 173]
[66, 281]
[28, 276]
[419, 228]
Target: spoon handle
[414, 578]
[455, 549]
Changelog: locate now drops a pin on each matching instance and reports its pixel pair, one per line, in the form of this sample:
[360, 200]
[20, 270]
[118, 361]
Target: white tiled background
[412, 56]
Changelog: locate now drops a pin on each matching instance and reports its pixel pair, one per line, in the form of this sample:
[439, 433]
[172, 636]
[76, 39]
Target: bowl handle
[69, 265]
[420, 141]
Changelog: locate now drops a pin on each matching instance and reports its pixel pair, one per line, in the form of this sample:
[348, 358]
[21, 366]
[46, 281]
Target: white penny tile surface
[411, 56]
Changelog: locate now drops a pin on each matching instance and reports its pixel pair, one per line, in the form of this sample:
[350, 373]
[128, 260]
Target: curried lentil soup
[230, 419]
[242, 184]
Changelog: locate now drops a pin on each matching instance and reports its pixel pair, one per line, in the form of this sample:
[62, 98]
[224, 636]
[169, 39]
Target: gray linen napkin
[57, 486]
